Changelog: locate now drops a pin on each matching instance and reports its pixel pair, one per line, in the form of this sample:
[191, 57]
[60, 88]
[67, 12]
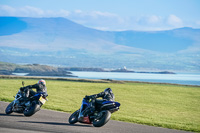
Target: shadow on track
[1, 114]
[56, 123]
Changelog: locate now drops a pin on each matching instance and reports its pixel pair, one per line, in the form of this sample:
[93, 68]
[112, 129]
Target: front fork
[80, 116]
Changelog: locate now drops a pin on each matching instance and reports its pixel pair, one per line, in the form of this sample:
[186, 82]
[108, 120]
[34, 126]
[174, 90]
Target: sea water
[179, 78]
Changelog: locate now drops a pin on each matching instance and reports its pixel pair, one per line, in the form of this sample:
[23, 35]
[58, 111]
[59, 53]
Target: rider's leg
[25, 96]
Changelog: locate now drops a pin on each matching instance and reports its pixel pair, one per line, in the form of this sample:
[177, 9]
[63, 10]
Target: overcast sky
[112, 15]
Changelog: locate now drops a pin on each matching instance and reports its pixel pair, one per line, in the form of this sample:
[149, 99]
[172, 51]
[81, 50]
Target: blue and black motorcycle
[29, 108]
[99, 116]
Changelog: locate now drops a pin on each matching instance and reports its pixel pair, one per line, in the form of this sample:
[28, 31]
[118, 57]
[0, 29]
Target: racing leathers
[29, 92]
[106, 95]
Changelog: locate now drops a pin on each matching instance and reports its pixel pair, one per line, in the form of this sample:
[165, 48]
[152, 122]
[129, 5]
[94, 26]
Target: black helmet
[108, 90]
[109, 94]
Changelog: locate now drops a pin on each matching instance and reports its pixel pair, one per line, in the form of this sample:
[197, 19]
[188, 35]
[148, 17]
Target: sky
[111, 15]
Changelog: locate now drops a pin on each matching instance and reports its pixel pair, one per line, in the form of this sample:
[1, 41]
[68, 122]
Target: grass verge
[162, 105]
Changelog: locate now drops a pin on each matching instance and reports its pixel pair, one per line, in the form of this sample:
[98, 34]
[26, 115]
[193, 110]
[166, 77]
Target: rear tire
[29, 111]
[9, 108]
[102, 119]
[74, 117]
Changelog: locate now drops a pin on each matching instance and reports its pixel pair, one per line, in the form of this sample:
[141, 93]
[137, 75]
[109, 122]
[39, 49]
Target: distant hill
[33, 70]
[160, 41]
[59, 41]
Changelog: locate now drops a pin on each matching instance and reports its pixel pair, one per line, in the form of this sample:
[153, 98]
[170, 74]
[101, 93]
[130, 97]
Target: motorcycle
[99, 116]
[29, 108]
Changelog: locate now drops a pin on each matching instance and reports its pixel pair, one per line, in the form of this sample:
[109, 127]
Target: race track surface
[46, 121]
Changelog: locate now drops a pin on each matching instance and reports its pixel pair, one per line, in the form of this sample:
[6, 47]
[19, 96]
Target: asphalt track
[46, 121]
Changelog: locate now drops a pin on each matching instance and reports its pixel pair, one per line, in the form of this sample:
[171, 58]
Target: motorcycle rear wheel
[29, 111]
[102, 118]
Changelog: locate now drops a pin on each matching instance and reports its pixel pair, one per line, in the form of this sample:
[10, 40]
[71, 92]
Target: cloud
[174, 21]
[102, 20]
[154, 19]
[7, 10]
[150, 20]
[21, 12]
[155, 22]
[198, 22]
[29, 11]
[96, 19]
[94, 15]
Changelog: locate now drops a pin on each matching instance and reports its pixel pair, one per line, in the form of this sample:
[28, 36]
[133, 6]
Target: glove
[87, 97]
[22, 88]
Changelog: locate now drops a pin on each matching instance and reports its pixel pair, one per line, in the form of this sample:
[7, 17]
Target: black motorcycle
[31, 106]
[98, 117]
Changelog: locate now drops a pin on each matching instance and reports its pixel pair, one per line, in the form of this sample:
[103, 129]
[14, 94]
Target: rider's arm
[98, 95]
[28, 87]
[101, 94]
[32, 86]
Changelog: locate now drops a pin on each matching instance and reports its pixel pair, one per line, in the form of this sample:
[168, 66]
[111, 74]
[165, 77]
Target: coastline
[88, 80]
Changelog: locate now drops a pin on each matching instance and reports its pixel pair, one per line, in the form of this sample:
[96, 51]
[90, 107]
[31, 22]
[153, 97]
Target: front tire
[102, 118]
[74, 117]
[29, 111]
[9, 108]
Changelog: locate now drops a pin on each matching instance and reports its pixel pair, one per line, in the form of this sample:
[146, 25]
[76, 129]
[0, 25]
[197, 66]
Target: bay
[179, 78]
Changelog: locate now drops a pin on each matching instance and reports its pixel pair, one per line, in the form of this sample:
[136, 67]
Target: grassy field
[169, 106]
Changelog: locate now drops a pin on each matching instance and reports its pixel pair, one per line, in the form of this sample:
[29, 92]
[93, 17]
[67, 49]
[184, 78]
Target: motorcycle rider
[107, 95]
[40, 87]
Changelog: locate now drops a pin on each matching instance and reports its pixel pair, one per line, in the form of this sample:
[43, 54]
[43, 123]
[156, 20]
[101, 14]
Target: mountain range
[60, 41]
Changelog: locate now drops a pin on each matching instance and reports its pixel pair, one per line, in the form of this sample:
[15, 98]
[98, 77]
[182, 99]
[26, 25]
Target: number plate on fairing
[42, 100]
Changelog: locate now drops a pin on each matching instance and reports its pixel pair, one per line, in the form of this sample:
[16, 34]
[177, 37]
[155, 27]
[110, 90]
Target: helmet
[41, 81]
[108, 90]
[109, 94]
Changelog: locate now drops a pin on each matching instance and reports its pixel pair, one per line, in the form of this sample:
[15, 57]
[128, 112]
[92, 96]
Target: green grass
[168, 106]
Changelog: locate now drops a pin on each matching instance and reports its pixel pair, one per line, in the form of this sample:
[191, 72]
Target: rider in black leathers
[40, 87]
[107, 95]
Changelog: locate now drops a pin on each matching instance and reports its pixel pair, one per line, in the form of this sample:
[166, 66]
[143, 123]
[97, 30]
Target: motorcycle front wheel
[9, 108]
[102, 118]
[74, 117]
